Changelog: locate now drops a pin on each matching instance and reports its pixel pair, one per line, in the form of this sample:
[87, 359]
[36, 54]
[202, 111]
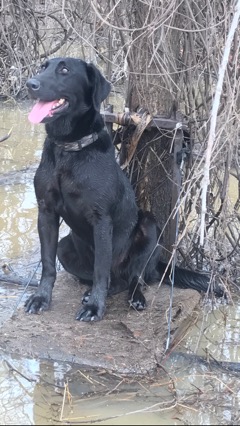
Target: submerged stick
[16, 279]
[4, 138]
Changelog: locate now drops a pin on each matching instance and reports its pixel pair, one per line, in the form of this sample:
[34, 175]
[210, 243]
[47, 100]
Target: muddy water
[186, 390]
[18, 158]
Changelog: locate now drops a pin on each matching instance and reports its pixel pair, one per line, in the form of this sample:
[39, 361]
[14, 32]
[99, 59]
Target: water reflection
[18, 155]
[20, 385]
[18, 225]
[216, 333]
[45, 392]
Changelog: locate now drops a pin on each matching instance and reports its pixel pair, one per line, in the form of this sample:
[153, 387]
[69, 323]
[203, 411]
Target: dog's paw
[86, 297]
[36, 303]
[138, 302]
[90, 313]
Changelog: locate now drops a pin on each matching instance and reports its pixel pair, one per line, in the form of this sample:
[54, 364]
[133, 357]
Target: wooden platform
[125, 341]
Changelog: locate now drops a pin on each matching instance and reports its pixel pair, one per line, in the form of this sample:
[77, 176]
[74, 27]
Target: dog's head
[66, 86]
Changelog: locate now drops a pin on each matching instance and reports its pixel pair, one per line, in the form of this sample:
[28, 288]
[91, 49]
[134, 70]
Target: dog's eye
[64, 70]
[42, 68]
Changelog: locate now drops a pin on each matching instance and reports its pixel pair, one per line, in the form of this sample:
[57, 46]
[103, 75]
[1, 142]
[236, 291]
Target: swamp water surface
[186, 390]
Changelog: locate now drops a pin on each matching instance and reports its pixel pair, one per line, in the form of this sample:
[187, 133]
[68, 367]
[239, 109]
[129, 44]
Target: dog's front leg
[48, 229]
[94, 309]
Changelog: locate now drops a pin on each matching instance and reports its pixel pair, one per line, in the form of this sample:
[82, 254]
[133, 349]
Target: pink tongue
[40, 111]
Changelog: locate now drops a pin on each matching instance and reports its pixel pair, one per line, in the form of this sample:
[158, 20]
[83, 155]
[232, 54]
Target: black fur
[111, 241]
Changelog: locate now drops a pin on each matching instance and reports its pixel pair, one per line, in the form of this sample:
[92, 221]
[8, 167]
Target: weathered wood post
[151, 150]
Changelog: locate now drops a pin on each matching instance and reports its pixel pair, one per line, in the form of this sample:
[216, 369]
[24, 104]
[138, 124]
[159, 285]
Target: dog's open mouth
[43, 110]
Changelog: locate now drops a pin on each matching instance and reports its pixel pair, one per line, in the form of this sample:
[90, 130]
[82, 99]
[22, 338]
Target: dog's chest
[66, 188]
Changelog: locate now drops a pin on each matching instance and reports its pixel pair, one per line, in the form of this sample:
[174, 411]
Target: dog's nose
[33, 84]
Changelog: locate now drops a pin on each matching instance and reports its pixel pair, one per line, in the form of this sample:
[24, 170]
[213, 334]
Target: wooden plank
[126, 119]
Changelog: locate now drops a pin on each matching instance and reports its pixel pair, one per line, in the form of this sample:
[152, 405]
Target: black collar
[79, 144]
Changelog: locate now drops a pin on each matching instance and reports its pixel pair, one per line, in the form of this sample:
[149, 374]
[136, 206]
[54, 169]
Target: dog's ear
[100, 86]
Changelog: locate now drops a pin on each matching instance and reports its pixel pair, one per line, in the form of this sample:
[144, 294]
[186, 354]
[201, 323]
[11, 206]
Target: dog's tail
[184, 278]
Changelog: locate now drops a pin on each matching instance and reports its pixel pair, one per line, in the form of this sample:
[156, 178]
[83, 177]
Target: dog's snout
[33, 84]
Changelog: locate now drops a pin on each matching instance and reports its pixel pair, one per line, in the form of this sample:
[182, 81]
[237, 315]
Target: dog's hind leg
[78, 262]
[143, 254]
[135, 297]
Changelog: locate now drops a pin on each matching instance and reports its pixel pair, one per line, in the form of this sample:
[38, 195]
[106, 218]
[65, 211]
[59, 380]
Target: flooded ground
[185, 389]
[187, 386]
[18, 160]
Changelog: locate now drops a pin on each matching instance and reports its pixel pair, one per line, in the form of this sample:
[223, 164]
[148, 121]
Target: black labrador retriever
[112, 245]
